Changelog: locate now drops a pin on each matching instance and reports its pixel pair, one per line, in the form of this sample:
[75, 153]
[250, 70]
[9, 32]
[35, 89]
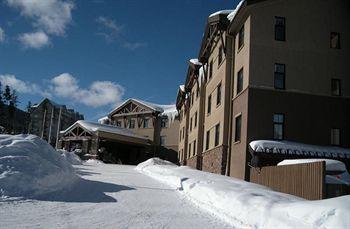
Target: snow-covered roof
[164, 110]
[220, 12]
[96, 127]
[233, 14]
[182, 88]
[103, 120]
[331, 165]
[295, 148]
[50, 101]
[195, 62]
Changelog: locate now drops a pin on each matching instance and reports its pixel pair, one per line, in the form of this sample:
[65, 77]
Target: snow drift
[30, 167]
[249, 205]
[71, 157]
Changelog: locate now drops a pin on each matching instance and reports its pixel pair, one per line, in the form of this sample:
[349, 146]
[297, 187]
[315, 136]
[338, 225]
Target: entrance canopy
[84, 129]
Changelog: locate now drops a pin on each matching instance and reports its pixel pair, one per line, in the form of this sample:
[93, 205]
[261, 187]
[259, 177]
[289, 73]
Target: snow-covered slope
[71, 157]
[249, 205]
[29, 167]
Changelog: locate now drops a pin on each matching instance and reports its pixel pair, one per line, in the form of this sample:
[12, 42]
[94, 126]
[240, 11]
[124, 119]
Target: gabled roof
[96, 129]
[49, 101]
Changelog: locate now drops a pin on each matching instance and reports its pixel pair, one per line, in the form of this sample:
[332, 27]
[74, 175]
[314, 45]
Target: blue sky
[91, 55]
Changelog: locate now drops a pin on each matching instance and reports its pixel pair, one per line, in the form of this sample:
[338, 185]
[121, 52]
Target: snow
[96, 127]
[331, 165]
[104, 120]
[248, 205]
[93, 162]
[221, 12]
[195, 62]
[182, 88]
[299, 148]
[233, 14]
[30, 167]
[108, 196]
[70, 157]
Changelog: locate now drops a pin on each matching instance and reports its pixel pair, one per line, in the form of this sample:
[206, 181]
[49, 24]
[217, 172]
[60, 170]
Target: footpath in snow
[248, 205]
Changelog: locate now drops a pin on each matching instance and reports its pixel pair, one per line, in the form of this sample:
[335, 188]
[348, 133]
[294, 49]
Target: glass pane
[278, 118]
[279, 81]
[278, 131]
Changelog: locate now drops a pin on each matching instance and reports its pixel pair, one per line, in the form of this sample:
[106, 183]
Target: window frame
[277, 27]
[241, 37]
[133, 122]
[207, 140]
[146, 120]
[209, 105]
[220, 56]
[210, 72]
[278, 74]
[332, 136]
[239, 85]
[217, 134]
[333, 80]
[218, 94]
[338, 40]
[282, 124]
[238, 131]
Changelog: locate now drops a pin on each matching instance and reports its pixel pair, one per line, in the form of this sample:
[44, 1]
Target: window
[238, 124]
[194, 147]
[335, 136]
[162, 140]
[279, 77]
[240, 81]
[164, 122]
[195, 119]
[197, 92]
[336, 87]
[217, 134]
[209, 104]
[278, 126]
[118, 123]
[210, 69]
[183, 132]
[192, 97]
[191, 124]
[280, 29]
[207, 140]
[241, 37]
[132, 124]
[180, 135]
[220, 55]
[145, 123]
[189, 149]
[335, 40]
[218, 94]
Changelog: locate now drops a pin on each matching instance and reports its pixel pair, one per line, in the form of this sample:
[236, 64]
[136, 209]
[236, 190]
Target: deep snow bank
[71, 157]
[249, 205]
[29, 166]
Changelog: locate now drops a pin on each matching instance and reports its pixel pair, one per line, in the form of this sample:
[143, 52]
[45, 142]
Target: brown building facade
[274, 70]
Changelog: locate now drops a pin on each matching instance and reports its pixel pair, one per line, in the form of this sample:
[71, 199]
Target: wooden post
[58, 126]
[50, 128]
[43, 125]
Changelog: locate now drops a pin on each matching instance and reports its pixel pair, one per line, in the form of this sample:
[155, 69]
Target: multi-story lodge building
[158, 123]
[269, 70]
[47, 119]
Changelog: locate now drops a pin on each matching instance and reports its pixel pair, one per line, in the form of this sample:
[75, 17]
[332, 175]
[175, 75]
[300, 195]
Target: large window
[335, 136]
[279, 76]
[209, 104]
[278, 126]
[238, 127]
[241, 37]
[336, 87]
[194, 147]
[146, 123]
[335, 40]
[240, 81]
[189, 149]
[164, 122]
[220, 55]
[132, 124]
[191, 124]
[210, 69]
[217, 134]
[207, 140]
[195, 119]
[280, 29]
[218, 94]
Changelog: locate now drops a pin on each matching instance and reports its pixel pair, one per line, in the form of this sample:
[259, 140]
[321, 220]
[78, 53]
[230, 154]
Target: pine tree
[7, 94]
[29, 105]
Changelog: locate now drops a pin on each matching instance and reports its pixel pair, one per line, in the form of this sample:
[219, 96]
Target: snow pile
[93, 162]
[71, 157]
[331, 165]
[249, 205]
[29, 167]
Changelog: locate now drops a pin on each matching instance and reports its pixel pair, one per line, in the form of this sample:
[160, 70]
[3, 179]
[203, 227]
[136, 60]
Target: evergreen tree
[14, 98]
[29, 105]
[7, 94]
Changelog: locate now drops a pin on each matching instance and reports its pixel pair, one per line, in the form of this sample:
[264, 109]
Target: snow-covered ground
[248, 205]
[109, 196]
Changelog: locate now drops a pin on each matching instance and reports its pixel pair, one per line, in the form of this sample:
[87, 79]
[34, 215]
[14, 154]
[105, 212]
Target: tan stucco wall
[310, 62]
